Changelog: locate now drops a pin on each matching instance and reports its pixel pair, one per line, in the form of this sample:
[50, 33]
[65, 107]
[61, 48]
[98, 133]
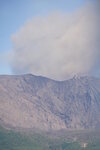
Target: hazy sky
[53, 38]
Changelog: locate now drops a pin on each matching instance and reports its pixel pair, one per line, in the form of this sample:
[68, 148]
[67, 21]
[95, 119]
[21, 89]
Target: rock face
[29, 101]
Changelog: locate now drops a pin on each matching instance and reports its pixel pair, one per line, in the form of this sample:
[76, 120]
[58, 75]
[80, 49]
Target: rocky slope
[29, 101]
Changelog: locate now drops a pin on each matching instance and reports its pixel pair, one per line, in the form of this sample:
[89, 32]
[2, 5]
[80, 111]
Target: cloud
[59, 45]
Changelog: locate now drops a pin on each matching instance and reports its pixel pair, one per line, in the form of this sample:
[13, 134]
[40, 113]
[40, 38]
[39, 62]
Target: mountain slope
[28, 101]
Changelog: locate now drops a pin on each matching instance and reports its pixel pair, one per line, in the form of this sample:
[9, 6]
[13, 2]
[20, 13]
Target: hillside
[28, 101]
[12, 140]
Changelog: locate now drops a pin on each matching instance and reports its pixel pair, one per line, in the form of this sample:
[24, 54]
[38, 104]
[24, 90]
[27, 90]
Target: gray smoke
[59, 45]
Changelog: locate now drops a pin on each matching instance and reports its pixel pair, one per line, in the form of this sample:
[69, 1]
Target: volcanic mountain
[35, 102]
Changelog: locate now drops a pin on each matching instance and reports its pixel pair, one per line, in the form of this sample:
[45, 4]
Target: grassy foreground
[11, 140]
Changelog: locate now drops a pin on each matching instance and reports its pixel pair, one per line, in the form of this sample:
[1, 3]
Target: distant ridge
[29, 101]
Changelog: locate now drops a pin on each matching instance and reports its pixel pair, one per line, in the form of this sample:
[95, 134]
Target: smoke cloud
[59, 45]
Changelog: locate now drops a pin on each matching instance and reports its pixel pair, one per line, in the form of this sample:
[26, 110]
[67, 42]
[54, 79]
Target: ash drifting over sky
[59, 45]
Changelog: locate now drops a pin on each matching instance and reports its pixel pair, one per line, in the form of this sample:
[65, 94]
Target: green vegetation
[11, 140]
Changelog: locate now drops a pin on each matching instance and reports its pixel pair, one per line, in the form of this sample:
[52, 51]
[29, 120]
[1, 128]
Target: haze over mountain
[29, 101]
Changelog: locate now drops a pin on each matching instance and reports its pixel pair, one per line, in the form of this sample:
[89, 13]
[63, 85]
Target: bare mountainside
[29, 101]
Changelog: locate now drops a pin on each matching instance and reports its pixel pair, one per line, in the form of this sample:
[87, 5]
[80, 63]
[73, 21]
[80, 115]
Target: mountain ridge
[29, 101]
